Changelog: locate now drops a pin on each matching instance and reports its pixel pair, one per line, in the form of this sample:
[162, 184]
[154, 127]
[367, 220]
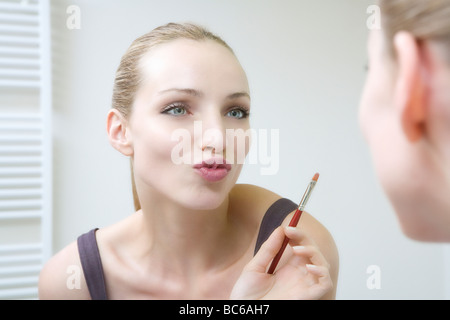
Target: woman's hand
[304, 275]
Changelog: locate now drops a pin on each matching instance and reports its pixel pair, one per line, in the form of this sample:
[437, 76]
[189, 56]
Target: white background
[305, 61]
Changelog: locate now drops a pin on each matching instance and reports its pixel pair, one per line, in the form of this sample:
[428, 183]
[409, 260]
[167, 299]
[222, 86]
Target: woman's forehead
[188, 63]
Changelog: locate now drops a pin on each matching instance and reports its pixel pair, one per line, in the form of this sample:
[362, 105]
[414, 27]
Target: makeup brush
[294, 221]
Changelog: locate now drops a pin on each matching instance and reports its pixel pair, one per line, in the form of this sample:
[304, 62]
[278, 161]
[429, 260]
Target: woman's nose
[211, 134]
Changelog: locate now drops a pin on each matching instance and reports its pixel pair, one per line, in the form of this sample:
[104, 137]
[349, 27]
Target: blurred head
[178, 90]
[405, 113]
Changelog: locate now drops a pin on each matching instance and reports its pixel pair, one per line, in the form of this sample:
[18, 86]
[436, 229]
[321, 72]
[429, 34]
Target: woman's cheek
[152, 148]
[162, 144]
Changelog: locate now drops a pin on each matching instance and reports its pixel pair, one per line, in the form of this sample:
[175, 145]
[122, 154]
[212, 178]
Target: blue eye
[237, 113]
[175, 110]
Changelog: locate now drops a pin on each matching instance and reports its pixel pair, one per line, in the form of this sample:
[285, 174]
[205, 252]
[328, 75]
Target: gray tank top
[92, 263]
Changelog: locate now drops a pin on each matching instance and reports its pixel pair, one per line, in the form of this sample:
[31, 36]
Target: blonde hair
[128, 77]
[424, 19]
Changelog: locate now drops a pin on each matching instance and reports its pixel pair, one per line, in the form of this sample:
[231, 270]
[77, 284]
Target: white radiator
[25, 146]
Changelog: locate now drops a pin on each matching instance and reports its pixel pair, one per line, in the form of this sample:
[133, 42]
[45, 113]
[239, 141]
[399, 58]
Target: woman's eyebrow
[188, 91]
[197, 93]
[238, 95]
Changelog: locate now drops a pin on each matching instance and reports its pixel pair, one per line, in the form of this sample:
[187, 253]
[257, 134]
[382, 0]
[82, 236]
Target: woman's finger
[319, 271]
[323, 276]
[298, 237]
[312, 253]
[267, 252]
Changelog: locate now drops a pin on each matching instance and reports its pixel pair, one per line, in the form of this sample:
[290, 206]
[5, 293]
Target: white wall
[305, 62]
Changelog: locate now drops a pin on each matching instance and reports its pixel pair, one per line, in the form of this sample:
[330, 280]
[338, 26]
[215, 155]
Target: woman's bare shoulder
[62, 276]
[254, 198]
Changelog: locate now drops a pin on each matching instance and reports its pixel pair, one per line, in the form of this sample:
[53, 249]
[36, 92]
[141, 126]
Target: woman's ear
[410, 91]
[118, 132]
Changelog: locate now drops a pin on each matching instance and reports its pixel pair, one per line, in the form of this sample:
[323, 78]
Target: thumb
[267, 252]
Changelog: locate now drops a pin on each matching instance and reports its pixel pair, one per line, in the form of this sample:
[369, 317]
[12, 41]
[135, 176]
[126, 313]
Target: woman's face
[193, 97]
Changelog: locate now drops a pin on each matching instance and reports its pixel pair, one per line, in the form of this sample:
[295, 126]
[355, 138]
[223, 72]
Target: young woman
[405, 113]
[195, 232]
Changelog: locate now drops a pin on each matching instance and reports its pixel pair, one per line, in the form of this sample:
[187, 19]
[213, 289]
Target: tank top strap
[273, 218]
[92, 265]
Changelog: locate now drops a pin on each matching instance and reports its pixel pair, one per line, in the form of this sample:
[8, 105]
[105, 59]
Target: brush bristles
[316, 177]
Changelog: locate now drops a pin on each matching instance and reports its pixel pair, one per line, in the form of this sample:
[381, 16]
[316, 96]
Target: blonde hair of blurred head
[424, 19]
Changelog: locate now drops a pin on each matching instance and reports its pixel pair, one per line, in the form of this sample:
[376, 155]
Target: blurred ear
[410, 91]
[118, 132]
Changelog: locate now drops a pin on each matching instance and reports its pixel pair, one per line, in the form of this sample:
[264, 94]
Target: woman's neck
[186, 241]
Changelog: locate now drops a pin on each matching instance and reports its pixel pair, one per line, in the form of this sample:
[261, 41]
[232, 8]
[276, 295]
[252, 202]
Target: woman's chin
[205, 201]
[206, 204]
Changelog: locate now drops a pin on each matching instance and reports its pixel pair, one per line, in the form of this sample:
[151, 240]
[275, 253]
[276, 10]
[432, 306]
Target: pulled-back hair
[424, 19]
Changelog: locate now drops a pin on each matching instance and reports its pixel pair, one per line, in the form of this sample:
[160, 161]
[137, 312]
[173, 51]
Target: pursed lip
[214, 169]
[214, 163]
